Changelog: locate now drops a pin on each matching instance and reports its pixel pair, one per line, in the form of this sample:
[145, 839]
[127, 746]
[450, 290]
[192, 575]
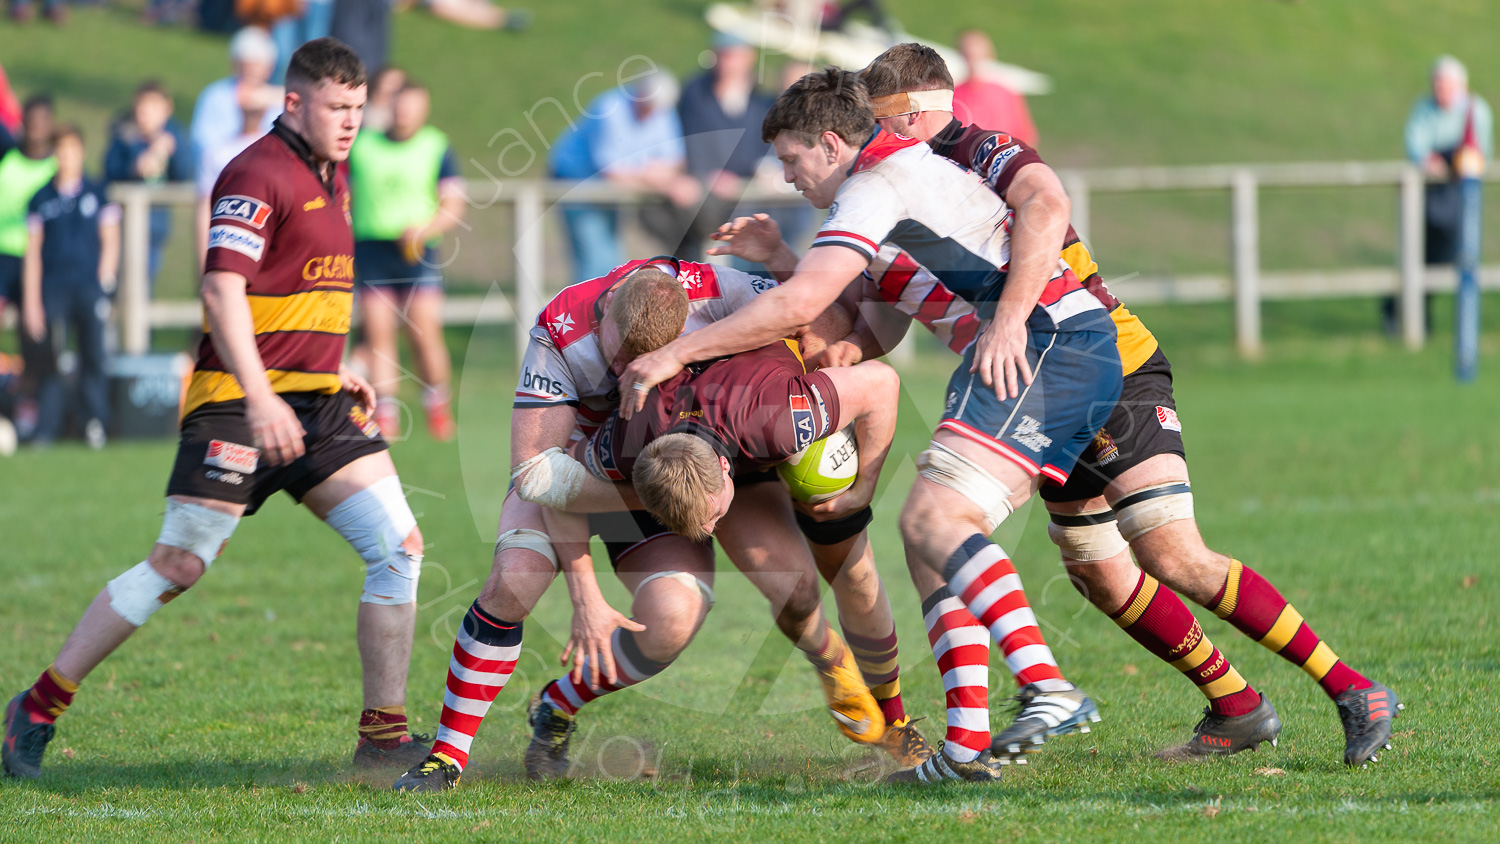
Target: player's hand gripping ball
[824, 469]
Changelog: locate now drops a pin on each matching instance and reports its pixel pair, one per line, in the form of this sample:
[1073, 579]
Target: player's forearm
[1036, 240]
[775, 314]
[782, 264]
[879, 328]
[232, 330]
[570, 541]
[601, 496]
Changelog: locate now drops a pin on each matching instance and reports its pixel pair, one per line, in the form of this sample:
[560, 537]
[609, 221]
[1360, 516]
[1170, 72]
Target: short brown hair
[674, 477]
[650, 309]
[907, 67]
[831, 100]
[324, 58]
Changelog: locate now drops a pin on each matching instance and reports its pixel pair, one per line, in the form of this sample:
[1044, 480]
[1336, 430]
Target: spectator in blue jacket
[150, 146]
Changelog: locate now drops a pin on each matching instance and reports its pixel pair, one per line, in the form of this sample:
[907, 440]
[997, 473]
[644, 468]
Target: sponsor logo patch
[562, 325]
[602, 451]
[231, 478]
[1168, 419]
[803, 422]
[251, 212]
[1105, 449]
[1029, 434]
[314, 204]
[824, 423]
[364, 422]
[238, 240]
[232, 456]
[536, 382]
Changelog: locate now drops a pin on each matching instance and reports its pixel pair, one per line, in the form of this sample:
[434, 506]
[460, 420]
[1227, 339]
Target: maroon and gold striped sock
[1252, 604]
[1157, 619]
[50, 696]
[878, 664]
[826, 649]
[383, 726]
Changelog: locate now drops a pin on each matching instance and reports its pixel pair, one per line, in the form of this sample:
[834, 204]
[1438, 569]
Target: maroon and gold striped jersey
[276, 222]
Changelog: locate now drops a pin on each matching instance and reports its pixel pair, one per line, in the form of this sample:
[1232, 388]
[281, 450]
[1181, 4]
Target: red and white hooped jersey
[913, 290]
[947, 218]
[564, 363]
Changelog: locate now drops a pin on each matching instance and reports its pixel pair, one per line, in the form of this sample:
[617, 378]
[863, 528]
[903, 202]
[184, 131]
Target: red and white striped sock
[631, 667]
[484, 656]
[962, 647]
[982, 577]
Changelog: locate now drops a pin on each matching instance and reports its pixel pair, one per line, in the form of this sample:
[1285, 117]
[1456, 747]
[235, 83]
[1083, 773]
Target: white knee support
[195, 528]
[1147, 509]
[943, 465]
[376, 520]
[551, 479]
[691, 581]
[530, 540]
[1087, 537]
[140, 592]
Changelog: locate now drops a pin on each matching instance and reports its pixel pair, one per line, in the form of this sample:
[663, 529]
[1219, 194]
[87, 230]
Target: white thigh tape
[195, 528]
[943, 465]
[1087, 537]
[529, 540]
[551, 479]
[375, 521]
[691, 581]
[1146, 510]
[140, 592]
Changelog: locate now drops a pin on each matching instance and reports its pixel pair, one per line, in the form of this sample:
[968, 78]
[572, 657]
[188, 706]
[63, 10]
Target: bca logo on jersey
[232, 456]
[802, 421]
[251, 212]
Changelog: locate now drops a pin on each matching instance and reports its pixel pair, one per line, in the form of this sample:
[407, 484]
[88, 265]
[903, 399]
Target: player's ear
[831, 142]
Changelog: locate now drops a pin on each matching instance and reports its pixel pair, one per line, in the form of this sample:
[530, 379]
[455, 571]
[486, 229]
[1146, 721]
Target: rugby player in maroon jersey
[271, 407]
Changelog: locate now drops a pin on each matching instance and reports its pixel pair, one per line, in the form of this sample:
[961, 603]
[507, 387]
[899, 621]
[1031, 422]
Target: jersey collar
[945, 140]
[300, 148]
[879, 147]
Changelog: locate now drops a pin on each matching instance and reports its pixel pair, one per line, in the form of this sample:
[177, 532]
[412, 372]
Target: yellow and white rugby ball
[823, 469]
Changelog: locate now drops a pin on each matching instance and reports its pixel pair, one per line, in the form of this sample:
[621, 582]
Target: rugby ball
[823, 469]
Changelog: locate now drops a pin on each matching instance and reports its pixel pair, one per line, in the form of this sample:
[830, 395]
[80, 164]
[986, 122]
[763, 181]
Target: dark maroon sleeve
[995, 156]
[242, 219]
[807, 410]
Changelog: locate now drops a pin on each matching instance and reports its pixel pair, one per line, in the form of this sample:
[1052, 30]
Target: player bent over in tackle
[1130, 492]
[271, 407]
[1026, 401]
[567, 387]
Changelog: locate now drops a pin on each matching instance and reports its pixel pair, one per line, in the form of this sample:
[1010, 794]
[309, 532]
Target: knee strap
[943, 465]
[685, 578]
[138, 593]
[1087, 537]
[197, 529]
[1147, 509]
[375, 521]
[529, 540]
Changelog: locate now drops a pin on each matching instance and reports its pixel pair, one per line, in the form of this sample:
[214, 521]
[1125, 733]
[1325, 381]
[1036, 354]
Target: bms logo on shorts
[251, 212]
[802, 421]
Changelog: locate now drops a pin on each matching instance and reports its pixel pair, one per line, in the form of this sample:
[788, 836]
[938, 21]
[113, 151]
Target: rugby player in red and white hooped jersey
[1131, 492]
[567, 387]
[270, 407]
[1032, 390]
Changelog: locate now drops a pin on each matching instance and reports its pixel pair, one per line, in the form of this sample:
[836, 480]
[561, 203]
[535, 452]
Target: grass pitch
[1357, 477]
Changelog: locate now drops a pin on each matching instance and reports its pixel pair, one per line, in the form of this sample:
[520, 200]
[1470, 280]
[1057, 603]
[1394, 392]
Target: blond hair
[649, 308]
[675, 477]
[906, 67]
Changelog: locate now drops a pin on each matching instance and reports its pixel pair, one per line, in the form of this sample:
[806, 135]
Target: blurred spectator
[310, 19]
[985, 102]
[24, 11]
[408, 193]
[10, 107]
[216, 116]
[149, 146]
[211, 162]
[479, 14]
[721, 113]
[71, 260]
[365, 25]
[383, 88]
[167, 12]
[24, 168]
[630, 136]
[1440, 123]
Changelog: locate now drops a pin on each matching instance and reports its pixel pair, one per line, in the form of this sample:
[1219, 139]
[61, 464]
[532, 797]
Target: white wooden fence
[1247, 286]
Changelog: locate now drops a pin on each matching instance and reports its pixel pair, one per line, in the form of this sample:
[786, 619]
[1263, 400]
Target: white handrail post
[1077, 187]
[134, 294]
[1413, 236]
[530, 284]
[1245, 223]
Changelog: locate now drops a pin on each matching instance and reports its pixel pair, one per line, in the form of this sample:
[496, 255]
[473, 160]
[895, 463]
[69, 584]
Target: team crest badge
[1105, 449]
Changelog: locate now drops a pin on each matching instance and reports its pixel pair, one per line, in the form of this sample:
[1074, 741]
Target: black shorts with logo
[216, 459]
[1143, 425]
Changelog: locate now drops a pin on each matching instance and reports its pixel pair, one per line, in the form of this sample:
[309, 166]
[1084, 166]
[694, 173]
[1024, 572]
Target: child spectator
[149, 146]
[71, 260]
